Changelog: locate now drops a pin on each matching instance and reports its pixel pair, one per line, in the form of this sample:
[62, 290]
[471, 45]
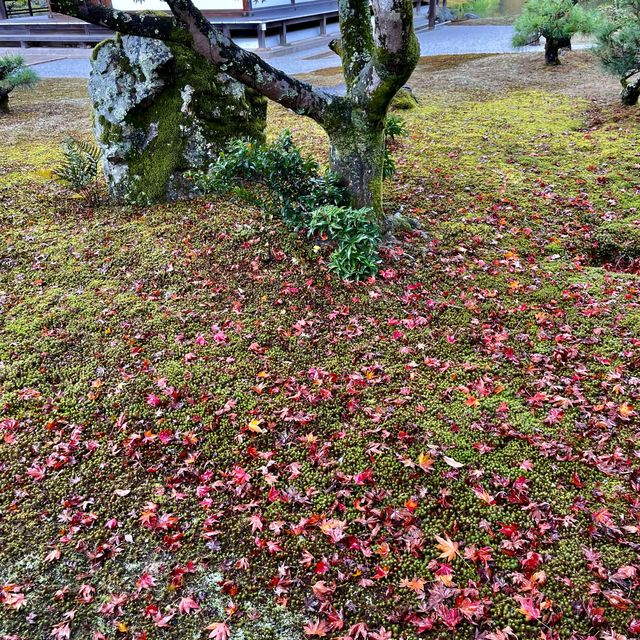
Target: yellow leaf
[626, 410]
[425, 461]
[254, 426]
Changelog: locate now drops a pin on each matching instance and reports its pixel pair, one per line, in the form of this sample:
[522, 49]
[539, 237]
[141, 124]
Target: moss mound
[618, 240]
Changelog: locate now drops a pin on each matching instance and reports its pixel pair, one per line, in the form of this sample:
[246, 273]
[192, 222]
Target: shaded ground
[204, 434]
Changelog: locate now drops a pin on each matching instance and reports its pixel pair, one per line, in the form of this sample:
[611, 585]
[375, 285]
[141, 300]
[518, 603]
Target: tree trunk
[432, 14]
[4, 101]
[630, 93]
[551, 49]
[357, 158]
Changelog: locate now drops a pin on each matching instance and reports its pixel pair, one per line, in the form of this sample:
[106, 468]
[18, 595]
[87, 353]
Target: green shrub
[78, 170]
[280, 180]
[395, 127]
[355, 235]
[276, 177]
[14, 74]
[619, 46]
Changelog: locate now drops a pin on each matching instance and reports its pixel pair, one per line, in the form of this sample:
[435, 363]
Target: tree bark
[630, 93]
[357, 149]
[551, 51]
[432, 14]
[4, 101]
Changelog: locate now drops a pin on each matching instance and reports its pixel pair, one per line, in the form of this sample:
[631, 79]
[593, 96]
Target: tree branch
[147, 25]
[189, 27]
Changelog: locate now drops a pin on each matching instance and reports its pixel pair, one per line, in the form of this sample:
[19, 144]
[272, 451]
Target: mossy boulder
[404, 100]
[618, 240]
[159, 111]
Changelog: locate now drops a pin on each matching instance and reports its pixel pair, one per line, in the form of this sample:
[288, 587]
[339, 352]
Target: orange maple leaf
[448, 547]
[416, 584]
[317, 628]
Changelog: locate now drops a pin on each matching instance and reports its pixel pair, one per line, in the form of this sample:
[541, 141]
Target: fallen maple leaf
[448, 547]
[416, 584]
[219, 631]
[317, 628]
[453, 463]
[528, 608]
[187, 604]
[425, 461]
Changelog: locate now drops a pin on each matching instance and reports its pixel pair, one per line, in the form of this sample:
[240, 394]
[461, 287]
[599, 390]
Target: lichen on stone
[161, 110]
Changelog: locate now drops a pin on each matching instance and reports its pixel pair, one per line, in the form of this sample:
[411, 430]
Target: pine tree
[619, 47]
[13, 74]
[556, 20]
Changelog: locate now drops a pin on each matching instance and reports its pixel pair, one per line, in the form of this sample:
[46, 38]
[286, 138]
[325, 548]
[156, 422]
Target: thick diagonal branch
[191, 28]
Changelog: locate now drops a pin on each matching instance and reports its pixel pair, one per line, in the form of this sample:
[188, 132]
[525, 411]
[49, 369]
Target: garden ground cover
[205, 434]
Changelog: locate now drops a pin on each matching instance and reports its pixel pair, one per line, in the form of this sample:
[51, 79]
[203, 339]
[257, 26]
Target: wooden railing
[28, 8]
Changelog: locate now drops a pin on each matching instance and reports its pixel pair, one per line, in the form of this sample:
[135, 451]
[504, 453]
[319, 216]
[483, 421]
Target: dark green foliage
[14, 74]
[619, 46]
[280, 180]
[555, 20]
[80, 165]
[394, 128]
[356, 236]
[276, 176]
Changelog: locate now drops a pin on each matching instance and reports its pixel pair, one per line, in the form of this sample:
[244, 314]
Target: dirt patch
[60, 108]
[450, 76]
[579, 75]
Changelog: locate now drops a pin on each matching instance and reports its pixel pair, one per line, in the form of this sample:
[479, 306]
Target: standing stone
[160, 110]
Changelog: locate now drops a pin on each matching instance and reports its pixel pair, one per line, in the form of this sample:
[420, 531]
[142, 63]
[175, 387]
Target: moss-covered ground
[203, 433]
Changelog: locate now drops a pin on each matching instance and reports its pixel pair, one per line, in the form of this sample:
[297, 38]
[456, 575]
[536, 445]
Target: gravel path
[445, 39]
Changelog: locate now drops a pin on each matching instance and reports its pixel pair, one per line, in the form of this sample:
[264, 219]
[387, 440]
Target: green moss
[620, 239]
[101, 308]
[403, 101]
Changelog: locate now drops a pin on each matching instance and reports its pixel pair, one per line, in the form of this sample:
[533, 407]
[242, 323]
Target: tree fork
[377, 61]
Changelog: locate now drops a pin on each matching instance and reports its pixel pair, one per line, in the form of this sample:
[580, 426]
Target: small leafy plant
[79, 169]
[394, 128]
[276, 177]
[14, 74]
[356, 237]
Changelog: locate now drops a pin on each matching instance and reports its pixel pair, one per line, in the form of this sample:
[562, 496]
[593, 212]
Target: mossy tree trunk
[377, 61]
[357, 157]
